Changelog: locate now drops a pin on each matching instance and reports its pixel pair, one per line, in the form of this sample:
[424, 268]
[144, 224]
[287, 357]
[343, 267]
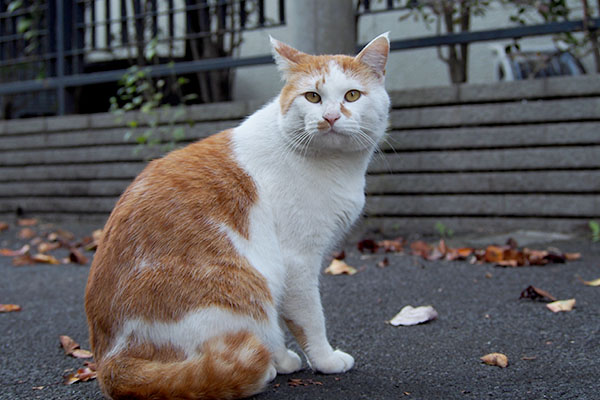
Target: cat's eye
[313, 97]
[352, 95]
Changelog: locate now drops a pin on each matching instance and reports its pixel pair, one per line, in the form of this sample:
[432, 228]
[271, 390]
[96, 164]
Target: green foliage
[443, 230]
[595, 229]
[138, 91]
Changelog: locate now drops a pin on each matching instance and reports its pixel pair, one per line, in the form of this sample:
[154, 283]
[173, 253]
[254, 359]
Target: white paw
[333, 363]
[271, 374]
[287, 362]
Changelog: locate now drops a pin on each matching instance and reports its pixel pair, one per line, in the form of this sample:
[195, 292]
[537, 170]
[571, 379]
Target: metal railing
[52, 46]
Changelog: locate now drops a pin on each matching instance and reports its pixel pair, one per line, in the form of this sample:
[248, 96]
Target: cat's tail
[232, 366]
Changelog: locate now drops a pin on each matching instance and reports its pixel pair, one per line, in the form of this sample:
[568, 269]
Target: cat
[216, 247]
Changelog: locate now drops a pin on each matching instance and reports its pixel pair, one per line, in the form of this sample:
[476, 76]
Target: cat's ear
[375, 54]
[285, 56]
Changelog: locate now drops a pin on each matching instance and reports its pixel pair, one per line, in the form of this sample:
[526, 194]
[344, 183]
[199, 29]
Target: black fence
[57, 56]
[49, 49]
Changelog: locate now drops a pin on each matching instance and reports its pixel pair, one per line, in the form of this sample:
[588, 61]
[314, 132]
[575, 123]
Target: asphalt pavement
[551, 355]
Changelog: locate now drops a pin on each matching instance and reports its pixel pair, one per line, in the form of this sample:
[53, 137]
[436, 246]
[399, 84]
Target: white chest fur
[313, 198]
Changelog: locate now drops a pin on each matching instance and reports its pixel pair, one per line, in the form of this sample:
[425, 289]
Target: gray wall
[474, 157]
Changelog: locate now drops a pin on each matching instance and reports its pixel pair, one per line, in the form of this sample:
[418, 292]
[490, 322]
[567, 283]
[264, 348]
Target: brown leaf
[367, 245]
[494, 254]
[572, 256]
[533, 293]
[3, 226]
[27, 222]
[14, 253]
[45, 259]
[496, 359]
[561, 305]
[338, 267]
[535, 257]
[81, 353]
[420, 248]
[9, 308]
[82, 375]
[595, 282]
[392, 246]
[339, 255]
[26, 233]
[77, 256]
[25, 259]
[68, 344]
[45, 247]
[383, 263]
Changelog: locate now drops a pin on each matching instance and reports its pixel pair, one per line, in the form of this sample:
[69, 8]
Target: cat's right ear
[286, 57]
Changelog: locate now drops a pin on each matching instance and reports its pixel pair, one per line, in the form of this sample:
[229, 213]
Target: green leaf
[23, 25]
[132, 124]
[14, 6]
[179, 134]
[141, 139]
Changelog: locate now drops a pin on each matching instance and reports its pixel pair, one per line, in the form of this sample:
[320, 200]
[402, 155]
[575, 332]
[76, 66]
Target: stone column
[322, 26]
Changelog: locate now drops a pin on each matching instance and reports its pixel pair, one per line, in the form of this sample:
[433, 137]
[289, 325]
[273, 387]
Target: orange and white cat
[215, 247]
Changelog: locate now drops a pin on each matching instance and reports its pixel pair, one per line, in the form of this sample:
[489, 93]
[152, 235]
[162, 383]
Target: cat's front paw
[287, 362]
[334, 363]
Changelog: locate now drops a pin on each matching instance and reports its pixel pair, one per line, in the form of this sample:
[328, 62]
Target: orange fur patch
[229, 367]
[298, 332]
[345, 111]
[162, 254]
[323, 125]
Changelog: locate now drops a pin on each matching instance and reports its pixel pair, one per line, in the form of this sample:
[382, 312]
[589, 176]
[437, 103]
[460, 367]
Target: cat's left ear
[375, 54]
[286, 57]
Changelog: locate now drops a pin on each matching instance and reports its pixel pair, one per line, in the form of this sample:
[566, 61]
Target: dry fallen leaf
[383, 263]
[410, 315]
[77, 256]
[9, 307]
[496, 359]
[68, 344]
[14, 253]
[595, 282]
[88, 372]
[3, 226]
[367, 244]
[26, 234]
[27, 222]
[338, 267]
[72, 348]
[45, 259]
[45, 247]
[533, 293]
[392, 246]
[561, 305]
[572, 256]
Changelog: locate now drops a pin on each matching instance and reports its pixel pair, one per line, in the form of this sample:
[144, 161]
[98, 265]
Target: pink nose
[331, 118]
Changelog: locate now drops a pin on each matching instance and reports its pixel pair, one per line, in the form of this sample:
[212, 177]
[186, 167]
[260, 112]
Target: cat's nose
[331, 118]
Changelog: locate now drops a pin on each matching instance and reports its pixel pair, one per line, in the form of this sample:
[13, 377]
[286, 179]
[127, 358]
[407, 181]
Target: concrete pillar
[322, 26]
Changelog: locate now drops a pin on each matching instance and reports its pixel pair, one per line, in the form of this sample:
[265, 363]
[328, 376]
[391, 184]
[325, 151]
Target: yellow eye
[313, 97]
[352, 95]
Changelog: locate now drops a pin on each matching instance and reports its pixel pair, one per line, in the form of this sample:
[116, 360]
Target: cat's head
[333, 102]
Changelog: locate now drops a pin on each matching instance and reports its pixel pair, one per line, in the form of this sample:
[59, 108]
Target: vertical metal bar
[171, 22]
[390, 4]
[261, 12]
[154, 19]
[366, 5]
[79, 36]
[51, 38]
[108, 22]
[282, 12]
[60, 55]
[93, 22]
[243, 14]
[124, 27]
